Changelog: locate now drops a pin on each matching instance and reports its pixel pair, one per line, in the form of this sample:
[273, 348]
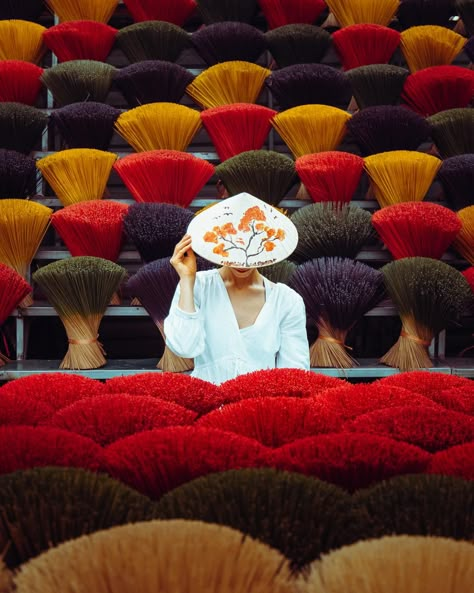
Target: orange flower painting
[252, 236]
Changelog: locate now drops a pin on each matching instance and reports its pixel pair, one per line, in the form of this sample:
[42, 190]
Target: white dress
[221, 350]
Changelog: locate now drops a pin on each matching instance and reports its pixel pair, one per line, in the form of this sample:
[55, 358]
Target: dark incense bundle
[428, 294]
[217, 11]
[307, 84]
[412, 13]
[79, 80]
[228, 41]
[263, 173]
[153, 81]
[20, 82]
[166, 176]
[21, 40]
[438, 88]
[28, 10]
[171, 11]
[377, 84]
[364, 44]
[464, 242]
[388, 127]
[457, 178]
[416, 229]
[331, 176]
[13, 290]
[430, 45]
[86, 125]
[80, 288]
[155, 229]
[453, 131]
[152, 40]
[80, 40]
[331, 229]
[77, 10]
[466, 11]
[21, 127]
[280, 272]
[251, 121]
[92, 228]
[337, 292]
[154, 285]
[298, 44]
[288, 12]
[17, 175]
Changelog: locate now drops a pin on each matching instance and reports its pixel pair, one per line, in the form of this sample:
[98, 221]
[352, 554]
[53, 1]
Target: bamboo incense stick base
[26, 302]
[302, 193]
[115, 300]
[135, 302]
[327, 354]
[85, 351]
[3, 360]
[407, 355]
[170, 361]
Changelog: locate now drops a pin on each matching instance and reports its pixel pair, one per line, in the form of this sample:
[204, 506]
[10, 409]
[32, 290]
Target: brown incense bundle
[80, 288]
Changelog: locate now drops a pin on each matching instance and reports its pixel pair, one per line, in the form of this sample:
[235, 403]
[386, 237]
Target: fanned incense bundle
[79, 80]
[154, 285]
[20, 82]
[166, 176]
[29, 10]
[298, 44]
[80, 288]
[159, 126]
[438, 88]
[17, 175]
[13, 290]
[217, 11]
[86, 125]
[364, 44]
[153, 81]
[387, 127]
[428, 295]
[92, 228]
[337, 292]
[430, 45]
[152, 40]
[401, 175]
[263, 173]
[80, 40]
[412, 13]
[50, 505]
[416, 229]
[251, 121]
[21, 126]
[288, 12]
[378, 12]
[464, 242]
[227, 83]
[77, 174]
[176, 12]
[23, 225]
[466, 10]
[457, 178]
[391, 564]
[280, 272]
[21, 40]
[227, 42]
[178, 556]
[330, 176]
[453, 131]
[377, 84]
[311, 128]
[330, 229]
[309, 84]
[155, 229]
[83, 10]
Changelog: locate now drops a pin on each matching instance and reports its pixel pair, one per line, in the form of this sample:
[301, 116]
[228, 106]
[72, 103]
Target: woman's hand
[183, 259]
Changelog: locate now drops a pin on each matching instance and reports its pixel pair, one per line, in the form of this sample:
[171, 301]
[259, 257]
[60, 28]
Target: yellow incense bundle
[355, 12]
[227, 83]
[464, 242]
[83, 10]
[430, 45]
[77, 174]
[311, 128]
[401, 175]
[21, 40]
[159, 126]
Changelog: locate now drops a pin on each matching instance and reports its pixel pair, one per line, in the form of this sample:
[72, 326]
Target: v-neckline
[229, 302]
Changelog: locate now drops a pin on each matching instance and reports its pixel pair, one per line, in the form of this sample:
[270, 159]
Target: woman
[232, 320]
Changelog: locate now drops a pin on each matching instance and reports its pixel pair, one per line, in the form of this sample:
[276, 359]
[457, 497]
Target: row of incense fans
[357, 45]
[276, 12]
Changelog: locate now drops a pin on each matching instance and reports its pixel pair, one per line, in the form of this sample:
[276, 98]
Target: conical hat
[243, 232]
